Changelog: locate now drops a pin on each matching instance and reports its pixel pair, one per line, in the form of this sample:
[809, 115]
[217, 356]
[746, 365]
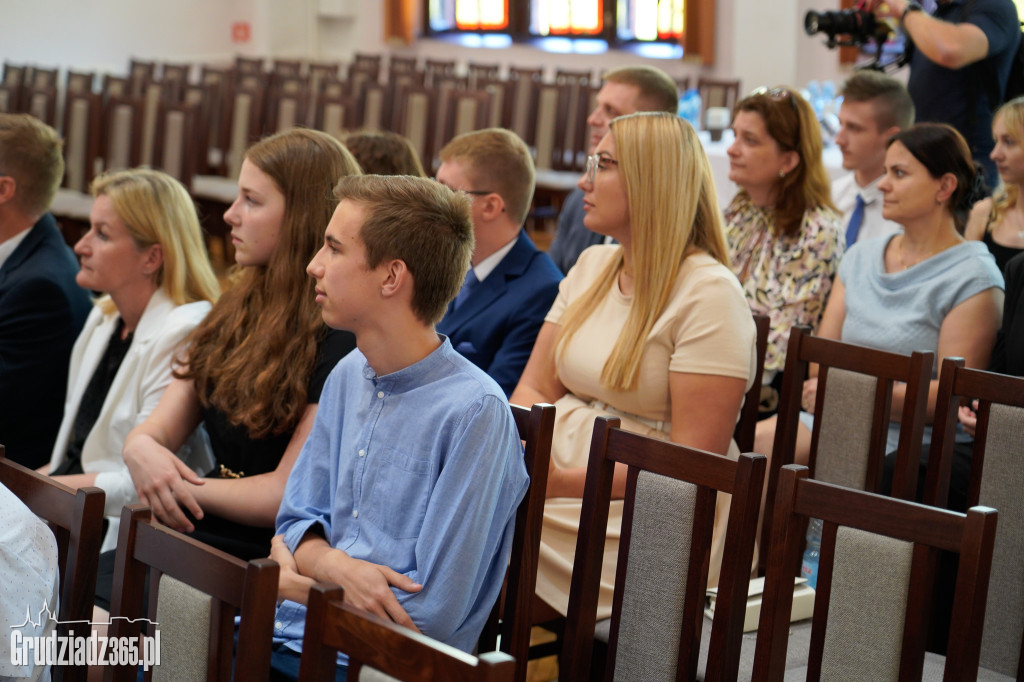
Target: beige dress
[706, 328]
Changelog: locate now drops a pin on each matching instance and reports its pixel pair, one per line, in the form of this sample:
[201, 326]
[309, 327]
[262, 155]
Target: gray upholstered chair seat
[796, 654]
[934, 664]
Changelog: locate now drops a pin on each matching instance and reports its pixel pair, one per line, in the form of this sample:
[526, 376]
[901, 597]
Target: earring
[782, 173]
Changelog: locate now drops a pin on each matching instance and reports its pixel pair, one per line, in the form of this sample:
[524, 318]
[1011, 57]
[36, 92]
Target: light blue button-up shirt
[420, 470]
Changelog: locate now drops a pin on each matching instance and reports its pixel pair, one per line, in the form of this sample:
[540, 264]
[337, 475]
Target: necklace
[907, 266]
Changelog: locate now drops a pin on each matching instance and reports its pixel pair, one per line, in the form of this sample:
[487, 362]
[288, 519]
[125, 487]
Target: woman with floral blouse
[783, 232]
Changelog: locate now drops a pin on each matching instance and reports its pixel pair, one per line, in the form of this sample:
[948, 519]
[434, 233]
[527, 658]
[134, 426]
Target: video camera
[850, 28]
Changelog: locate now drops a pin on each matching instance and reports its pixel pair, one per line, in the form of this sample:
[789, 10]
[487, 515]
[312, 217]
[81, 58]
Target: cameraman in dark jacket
[959, 63]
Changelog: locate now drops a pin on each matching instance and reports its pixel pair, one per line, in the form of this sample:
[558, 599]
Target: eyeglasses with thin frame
[474, 192]
[594, 162]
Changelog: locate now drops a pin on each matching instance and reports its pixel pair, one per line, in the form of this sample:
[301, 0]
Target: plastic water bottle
[689, 107]
[809, 567]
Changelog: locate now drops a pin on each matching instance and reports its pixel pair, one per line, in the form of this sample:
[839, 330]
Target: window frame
[698, 40]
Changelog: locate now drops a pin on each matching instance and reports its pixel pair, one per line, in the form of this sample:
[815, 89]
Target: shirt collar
[8, 247]
[487, 265]
[416, 374]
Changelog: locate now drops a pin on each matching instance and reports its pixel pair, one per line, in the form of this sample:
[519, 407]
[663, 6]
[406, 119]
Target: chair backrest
[82, 132]
[176, 144]
[373, 642]
[205, 587]
[139, 73]
[436, 69]
[871, 605]
[415, 118]
[477, 71]
[465, 111]
[250, 65]
[41, 102]
[241, 125]
[851, 416]
[522, 102]
[175, 77]
[664, 550]
[996, 480]
[334, 114]
[76, 519]
[369, 62]
[747, 425]
[511, 615]
[718, 93]
[122, 133]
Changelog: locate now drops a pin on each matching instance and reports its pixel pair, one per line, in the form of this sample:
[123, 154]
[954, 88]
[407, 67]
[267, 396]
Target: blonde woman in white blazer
[144, 252]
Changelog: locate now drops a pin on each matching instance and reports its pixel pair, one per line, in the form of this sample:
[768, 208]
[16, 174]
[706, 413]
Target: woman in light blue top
[923, 289]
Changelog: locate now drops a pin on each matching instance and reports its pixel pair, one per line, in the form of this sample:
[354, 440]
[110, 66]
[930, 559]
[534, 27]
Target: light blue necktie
[856, 218]
[467, 288]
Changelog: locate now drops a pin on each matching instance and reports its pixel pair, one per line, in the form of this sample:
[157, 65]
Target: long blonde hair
[672, 208]
[157, 209]
[1007, 196]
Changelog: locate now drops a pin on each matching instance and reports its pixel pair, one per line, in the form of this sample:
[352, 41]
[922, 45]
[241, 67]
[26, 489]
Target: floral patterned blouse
[786, 278]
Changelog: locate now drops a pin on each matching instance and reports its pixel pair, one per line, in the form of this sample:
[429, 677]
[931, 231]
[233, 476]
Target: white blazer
[144, 375]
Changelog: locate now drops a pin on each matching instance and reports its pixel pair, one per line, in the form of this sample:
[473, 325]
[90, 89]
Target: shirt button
[355, 513]
[380, 394]
[362, 453]
[278, 625]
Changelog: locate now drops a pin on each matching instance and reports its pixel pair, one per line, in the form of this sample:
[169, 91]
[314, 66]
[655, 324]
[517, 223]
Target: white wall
[759, 42]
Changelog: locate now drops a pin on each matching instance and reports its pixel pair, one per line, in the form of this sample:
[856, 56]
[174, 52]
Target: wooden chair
[718, 93]
[747, 425]
[286, 108]
[42, 78]
[521, 103]
[153, 98]
[511, 615]
[436, 69]
[871, 605]
[286, 67]
[251, 65]
[79, 81]
[76, 519]
[415, 119]
[373, 642]
[41, 102]
[241, 125]
[851, 416]
[501, 93]
[175, 77]
[9, 97]
[465, 111]
[478, 72]
[83, 116]
[122, 133]
[139, 74]
[204, 588]
[574, 109]
[668, 516]
[996, 480]
[402, 65]
[371, 63]
[175, 148]
[334, 115]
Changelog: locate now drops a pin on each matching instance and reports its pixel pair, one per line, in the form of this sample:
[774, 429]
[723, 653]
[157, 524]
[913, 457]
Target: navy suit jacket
[496, 325]
[42, 310]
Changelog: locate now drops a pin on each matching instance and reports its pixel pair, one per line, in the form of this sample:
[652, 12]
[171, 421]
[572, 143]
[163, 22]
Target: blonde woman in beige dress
[654, 330]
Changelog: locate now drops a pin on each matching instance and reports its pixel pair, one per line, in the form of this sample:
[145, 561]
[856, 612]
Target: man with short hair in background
[495, 318]
[626, 90]
[875, 107]
[42, 309]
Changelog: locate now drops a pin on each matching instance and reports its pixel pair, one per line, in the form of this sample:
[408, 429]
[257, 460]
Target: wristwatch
[912, 6]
